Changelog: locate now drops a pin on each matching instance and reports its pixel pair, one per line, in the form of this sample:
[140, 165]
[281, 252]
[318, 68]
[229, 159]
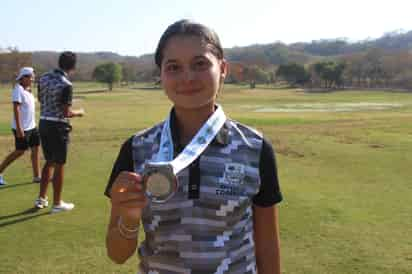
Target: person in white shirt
[24, 128]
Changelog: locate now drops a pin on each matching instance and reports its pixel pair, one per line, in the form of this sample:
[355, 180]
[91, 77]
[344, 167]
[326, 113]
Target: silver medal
[160, 176]
[160, 182]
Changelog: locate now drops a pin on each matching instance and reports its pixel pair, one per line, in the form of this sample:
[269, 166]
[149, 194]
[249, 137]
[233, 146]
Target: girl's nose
[188, 75]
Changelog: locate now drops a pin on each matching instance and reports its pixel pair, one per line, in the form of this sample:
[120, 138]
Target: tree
[11, 61]
[331, 72]
[108, 73]
[255, 74]
[356, 69]
[293, 73]
[374, 63]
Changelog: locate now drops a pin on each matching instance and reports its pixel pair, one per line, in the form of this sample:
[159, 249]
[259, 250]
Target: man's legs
[41, 201]
[47, 137]
[45, 178]
[58, 178]
[54, 143]
[35, 162]
[58, 183]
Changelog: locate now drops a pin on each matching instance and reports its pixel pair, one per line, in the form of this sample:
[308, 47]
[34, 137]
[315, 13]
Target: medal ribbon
[196, 146]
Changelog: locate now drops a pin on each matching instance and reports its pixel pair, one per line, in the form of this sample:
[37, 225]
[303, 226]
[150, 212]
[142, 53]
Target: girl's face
[27, 80]
[191, 74]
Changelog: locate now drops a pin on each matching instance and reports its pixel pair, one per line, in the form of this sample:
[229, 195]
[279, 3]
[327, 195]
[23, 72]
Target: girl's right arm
[128, 200]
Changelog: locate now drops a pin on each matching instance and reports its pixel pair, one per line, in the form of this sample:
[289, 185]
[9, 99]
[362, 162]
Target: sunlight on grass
[345, 177]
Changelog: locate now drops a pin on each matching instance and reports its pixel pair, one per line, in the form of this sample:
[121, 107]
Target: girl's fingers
[127, 182]
[133, 204]
[128, 196]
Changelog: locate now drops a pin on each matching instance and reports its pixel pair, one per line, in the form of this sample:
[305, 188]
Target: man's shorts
[54, 140]
[31, 139]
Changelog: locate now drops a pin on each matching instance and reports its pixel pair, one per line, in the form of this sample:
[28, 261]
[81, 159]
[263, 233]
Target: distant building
[236, 71]
[8, 49]
[2, 50]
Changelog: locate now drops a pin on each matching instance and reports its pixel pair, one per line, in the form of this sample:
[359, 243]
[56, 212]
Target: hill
[265, 56]
[392, 41]
[259, 54]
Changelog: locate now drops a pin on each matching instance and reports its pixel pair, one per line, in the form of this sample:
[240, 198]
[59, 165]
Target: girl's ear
[224, 70]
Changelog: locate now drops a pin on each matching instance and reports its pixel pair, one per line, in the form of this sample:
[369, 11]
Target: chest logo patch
[234, 173]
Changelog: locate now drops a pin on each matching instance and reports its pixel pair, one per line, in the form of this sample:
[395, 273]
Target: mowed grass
[346, 179]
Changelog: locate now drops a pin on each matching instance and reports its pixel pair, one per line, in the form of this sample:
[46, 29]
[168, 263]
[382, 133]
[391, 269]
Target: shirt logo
[234, 173]
[232, 182]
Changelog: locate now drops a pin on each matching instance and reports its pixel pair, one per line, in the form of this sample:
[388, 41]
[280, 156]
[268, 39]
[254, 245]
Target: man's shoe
[2, 181]
[62, 207]
[41, 203]
[36, 180]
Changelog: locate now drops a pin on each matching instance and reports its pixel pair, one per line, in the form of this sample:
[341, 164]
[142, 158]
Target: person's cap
[25, 71]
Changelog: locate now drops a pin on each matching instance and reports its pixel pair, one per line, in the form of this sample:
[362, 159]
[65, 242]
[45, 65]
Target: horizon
[120, 28]
[250, 45]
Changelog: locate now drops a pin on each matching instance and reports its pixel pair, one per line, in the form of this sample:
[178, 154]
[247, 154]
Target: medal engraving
[160, 182]
[158, 185]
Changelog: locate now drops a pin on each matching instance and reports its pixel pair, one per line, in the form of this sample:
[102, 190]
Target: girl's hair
[188, 28]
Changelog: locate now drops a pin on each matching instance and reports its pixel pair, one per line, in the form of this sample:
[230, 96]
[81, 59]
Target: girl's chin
[192, 105]
[188, 92]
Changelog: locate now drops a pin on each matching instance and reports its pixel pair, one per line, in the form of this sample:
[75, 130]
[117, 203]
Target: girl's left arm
[267, 240]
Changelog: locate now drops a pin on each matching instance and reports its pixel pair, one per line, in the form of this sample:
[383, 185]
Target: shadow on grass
[147, 88]
[23, 216]
[92, 91]
[15, 185]
[272, 87]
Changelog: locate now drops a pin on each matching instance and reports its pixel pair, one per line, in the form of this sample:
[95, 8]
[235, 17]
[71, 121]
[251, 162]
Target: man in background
[55, 93]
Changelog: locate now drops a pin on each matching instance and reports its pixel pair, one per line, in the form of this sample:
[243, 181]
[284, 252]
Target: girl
[24, 128]
[219, 213]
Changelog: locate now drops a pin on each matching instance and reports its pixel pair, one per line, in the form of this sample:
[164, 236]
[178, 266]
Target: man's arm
[67, 102]
[69, 113]
[38, 92]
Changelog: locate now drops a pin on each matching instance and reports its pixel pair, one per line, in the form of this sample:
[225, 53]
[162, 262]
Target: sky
[133, 27]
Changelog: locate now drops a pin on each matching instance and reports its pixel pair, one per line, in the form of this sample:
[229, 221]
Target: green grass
[5, 128]
[345, 176]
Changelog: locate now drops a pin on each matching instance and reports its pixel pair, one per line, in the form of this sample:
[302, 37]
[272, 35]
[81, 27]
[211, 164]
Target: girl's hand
[20, 134]
[128, 197]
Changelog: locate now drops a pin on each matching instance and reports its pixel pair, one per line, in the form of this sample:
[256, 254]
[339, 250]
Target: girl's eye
[201, 65]
[172, 68]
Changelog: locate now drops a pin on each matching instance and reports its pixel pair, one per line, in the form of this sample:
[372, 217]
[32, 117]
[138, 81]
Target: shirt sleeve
[124, 162]
[16, 95]
[269, 192]
[67, 95]
[38, 92]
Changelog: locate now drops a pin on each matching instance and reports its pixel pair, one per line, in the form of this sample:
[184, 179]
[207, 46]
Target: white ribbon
[196, 146]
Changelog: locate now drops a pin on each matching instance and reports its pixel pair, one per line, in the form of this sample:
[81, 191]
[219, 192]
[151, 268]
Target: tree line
[369, 68]
[10, 63]
[374, 68]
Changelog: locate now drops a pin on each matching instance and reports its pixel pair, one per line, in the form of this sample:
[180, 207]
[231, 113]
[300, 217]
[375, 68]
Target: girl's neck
[25, 87]
[189, 121]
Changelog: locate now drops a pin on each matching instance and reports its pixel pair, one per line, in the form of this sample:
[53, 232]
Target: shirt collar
[60, 71]
[221, 138]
